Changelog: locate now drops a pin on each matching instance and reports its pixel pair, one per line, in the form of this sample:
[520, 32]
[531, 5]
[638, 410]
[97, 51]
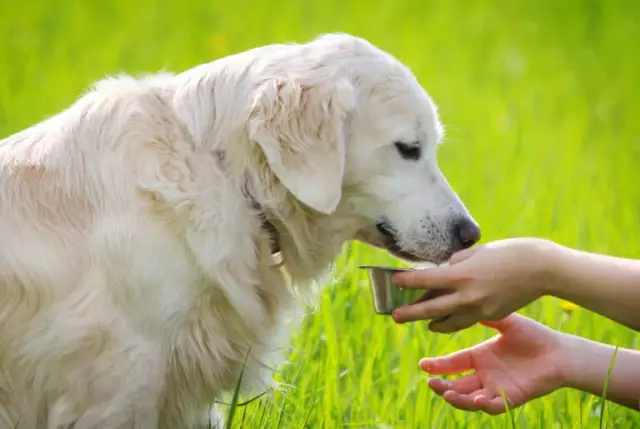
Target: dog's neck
[308, 245]
[267, 226]
[303, 264]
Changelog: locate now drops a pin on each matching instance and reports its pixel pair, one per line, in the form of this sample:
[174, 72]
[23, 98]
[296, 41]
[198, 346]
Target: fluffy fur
[134, 272]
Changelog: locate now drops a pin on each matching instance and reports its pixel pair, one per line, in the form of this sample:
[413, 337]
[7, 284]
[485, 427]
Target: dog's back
[72, 224]
[105, 316]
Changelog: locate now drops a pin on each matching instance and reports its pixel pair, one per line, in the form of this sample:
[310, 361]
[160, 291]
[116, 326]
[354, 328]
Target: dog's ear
[300, 128]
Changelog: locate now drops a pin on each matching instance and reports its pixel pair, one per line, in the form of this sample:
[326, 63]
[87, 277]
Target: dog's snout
[467, 232]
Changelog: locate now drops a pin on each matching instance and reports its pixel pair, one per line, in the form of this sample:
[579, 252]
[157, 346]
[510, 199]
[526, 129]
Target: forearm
[603, 284]
[588, 369]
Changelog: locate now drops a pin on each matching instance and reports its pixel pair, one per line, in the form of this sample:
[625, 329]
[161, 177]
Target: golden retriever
[140, 228]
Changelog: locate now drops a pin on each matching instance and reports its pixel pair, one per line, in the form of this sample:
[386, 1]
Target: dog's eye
[408, 150]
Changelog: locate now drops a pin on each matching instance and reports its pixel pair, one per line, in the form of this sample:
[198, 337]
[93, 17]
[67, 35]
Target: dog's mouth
[384, 236]
[390, 242]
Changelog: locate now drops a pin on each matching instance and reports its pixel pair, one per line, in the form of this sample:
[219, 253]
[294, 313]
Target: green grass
[541, 101]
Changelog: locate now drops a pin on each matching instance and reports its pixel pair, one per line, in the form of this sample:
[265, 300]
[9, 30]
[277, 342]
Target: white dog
[138, 227]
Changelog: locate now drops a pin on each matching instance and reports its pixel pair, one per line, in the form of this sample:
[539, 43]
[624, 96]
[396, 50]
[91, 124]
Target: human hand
[485, 282]
[527, 360]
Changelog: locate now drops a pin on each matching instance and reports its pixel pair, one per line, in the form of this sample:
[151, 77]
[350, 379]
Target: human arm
[604, 284]
[490, 281]
[588, 368]
[528, 360]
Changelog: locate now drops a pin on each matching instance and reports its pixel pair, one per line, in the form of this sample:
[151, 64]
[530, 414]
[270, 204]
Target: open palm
[523, 361]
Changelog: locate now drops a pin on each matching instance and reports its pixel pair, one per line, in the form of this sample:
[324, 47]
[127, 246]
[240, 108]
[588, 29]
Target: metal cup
[387, 296]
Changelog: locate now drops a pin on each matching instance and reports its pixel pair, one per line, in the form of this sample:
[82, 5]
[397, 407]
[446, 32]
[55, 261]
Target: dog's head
[349, 132]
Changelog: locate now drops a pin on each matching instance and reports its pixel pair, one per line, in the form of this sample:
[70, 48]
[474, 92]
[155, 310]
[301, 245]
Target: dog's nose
[467, 232]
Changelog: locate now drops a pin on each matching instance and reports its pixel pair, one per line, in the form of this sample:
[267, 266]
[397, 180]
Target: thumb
[463, 255]
[450, 364]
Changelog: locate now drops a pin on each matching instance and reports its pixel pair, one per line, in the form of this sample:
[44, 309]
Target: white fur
[134, 274]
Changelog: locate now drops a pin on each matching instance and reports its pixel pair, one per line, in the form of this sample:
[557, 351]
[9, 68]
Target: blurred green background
[540, 100]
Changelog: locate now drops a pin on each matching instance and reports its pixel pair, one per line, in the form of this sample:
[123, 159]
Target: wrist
[572, 351]
[551, 266]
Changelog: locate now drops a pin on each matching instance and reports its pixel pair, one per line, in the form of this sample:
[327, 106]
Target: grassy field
[540, 100]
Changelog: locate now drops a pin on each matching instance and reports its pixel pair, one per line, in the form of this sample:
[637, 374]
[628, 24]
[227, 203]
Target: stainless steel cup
[387, 296]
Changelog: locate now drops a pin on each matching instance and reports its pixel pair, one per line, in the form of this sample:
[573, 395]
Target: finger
[463, 255]
[439, 385]
[491, 406]
[439, 277]
[453, 363]
[463, 402]
[456, 322]
[482, 392]
[464, 385]
[430, 309]
[467, 384]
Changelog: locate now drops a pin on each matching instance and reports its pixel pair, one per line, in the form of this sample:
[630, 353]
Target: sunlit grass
[541, 105]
